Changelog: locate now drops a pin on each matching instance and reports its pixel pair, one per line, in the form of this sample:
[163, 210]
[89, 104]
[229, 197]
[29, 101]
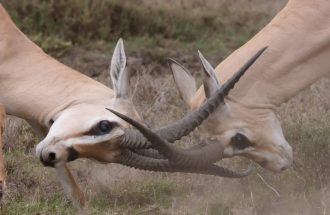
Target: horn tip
[263, 49]
[115, 112]
[200, 54]
[171, 61]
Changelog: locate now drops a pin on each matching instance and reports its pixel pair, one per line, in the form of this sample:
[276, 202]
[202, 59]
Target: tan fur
[46, 86]
[97, 152]
[298, 53]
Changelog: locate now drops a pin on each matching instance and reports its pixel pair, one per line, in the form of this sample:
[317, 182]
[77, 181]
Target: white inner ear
[117, 71]
[184, 81]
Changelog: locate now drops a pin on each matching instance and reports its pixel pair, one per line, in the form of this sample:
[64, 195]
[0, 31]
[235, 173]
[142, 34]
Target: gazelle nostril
[51, 156]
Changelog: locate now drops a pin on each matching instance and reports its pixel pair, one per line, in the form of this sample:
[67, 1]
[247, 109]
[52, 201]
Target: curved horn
[151, 153]
[198, 157]
[137, 161]
[183, 127]
[133, 139]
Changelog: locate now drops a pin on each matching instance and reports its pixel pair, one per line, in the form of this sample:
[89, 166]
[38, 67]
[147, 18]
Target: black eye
[105, 126]
[240, 141]
[101, 128]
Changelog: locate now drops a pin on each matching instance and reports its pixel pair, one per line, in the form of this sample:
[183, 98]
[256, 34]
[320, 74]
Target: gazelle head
[88, 129]
[242, 130]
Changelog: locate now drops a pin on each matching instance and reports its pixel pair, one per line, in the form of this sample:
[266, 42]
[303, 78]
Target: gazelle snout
[277, 166]
[277, 161]
[52, 155]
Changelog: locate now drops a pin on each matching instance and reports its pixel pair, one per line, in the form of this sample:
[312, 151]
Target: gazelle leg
[71, 188]
[2, 164]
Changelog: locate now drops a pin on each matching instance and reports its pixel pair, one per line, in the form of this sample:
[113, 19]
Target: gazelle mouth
[46, 163]
[49, 159]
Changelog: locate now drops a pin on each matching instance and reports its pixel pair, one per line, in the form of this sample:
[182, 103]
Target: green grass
[34, 189]
[57, 25]
[138, 197]
[311, 141]
[37, 204]
[31, 188]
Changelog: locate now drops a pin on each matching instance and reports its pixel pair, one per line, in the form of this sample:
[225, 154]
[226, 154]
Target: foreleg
[71, 188]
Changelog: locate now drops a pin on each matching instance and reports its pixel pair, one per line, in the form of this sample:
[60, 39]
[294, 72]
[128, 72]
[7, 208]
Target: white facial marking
[72, 127]
[90, 140]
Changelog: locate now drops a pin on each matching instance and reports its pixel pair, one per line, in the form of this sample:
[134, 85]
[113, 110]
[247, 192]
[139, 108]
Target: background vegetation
[82, 34]
[59, 24]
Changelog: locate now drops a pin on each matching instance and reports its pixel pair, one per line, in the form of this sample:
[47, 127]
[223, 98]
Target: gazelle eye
[240, 141]
[101, 128]
[104, 126]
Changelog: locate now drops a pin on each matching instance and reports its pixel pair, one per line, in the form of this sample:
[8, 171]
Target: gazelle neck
[34, 86]
[298, 55]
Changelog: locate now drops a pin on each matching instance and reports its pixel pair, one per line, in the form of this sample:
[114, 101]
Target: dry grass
[113, 189]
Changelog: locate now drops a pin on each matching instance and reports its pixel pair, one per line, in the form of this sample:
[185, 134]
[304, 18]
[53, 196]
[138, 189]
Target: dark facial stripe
[72, 154]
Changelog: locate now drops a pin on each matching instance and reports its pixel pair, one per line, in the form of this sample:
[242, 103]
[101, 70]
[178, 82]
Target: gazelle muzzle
[50, 158]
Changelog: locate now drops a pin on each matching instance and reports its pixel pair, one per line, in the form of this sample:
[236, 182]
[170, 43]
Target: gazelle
[298, 55]
[68, 112]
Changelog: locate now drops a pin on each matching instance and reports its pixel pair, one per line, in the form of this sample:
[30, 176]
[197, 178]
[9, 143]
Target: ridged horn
[155, 154]
[152, 153]
[137, 161]
[133, 139]
[198, 157]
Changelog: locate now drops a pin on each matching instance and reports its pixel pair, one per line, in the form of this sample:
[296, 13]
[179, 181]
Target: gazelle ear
[118, 73]
[211, 83]
[185, 82]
